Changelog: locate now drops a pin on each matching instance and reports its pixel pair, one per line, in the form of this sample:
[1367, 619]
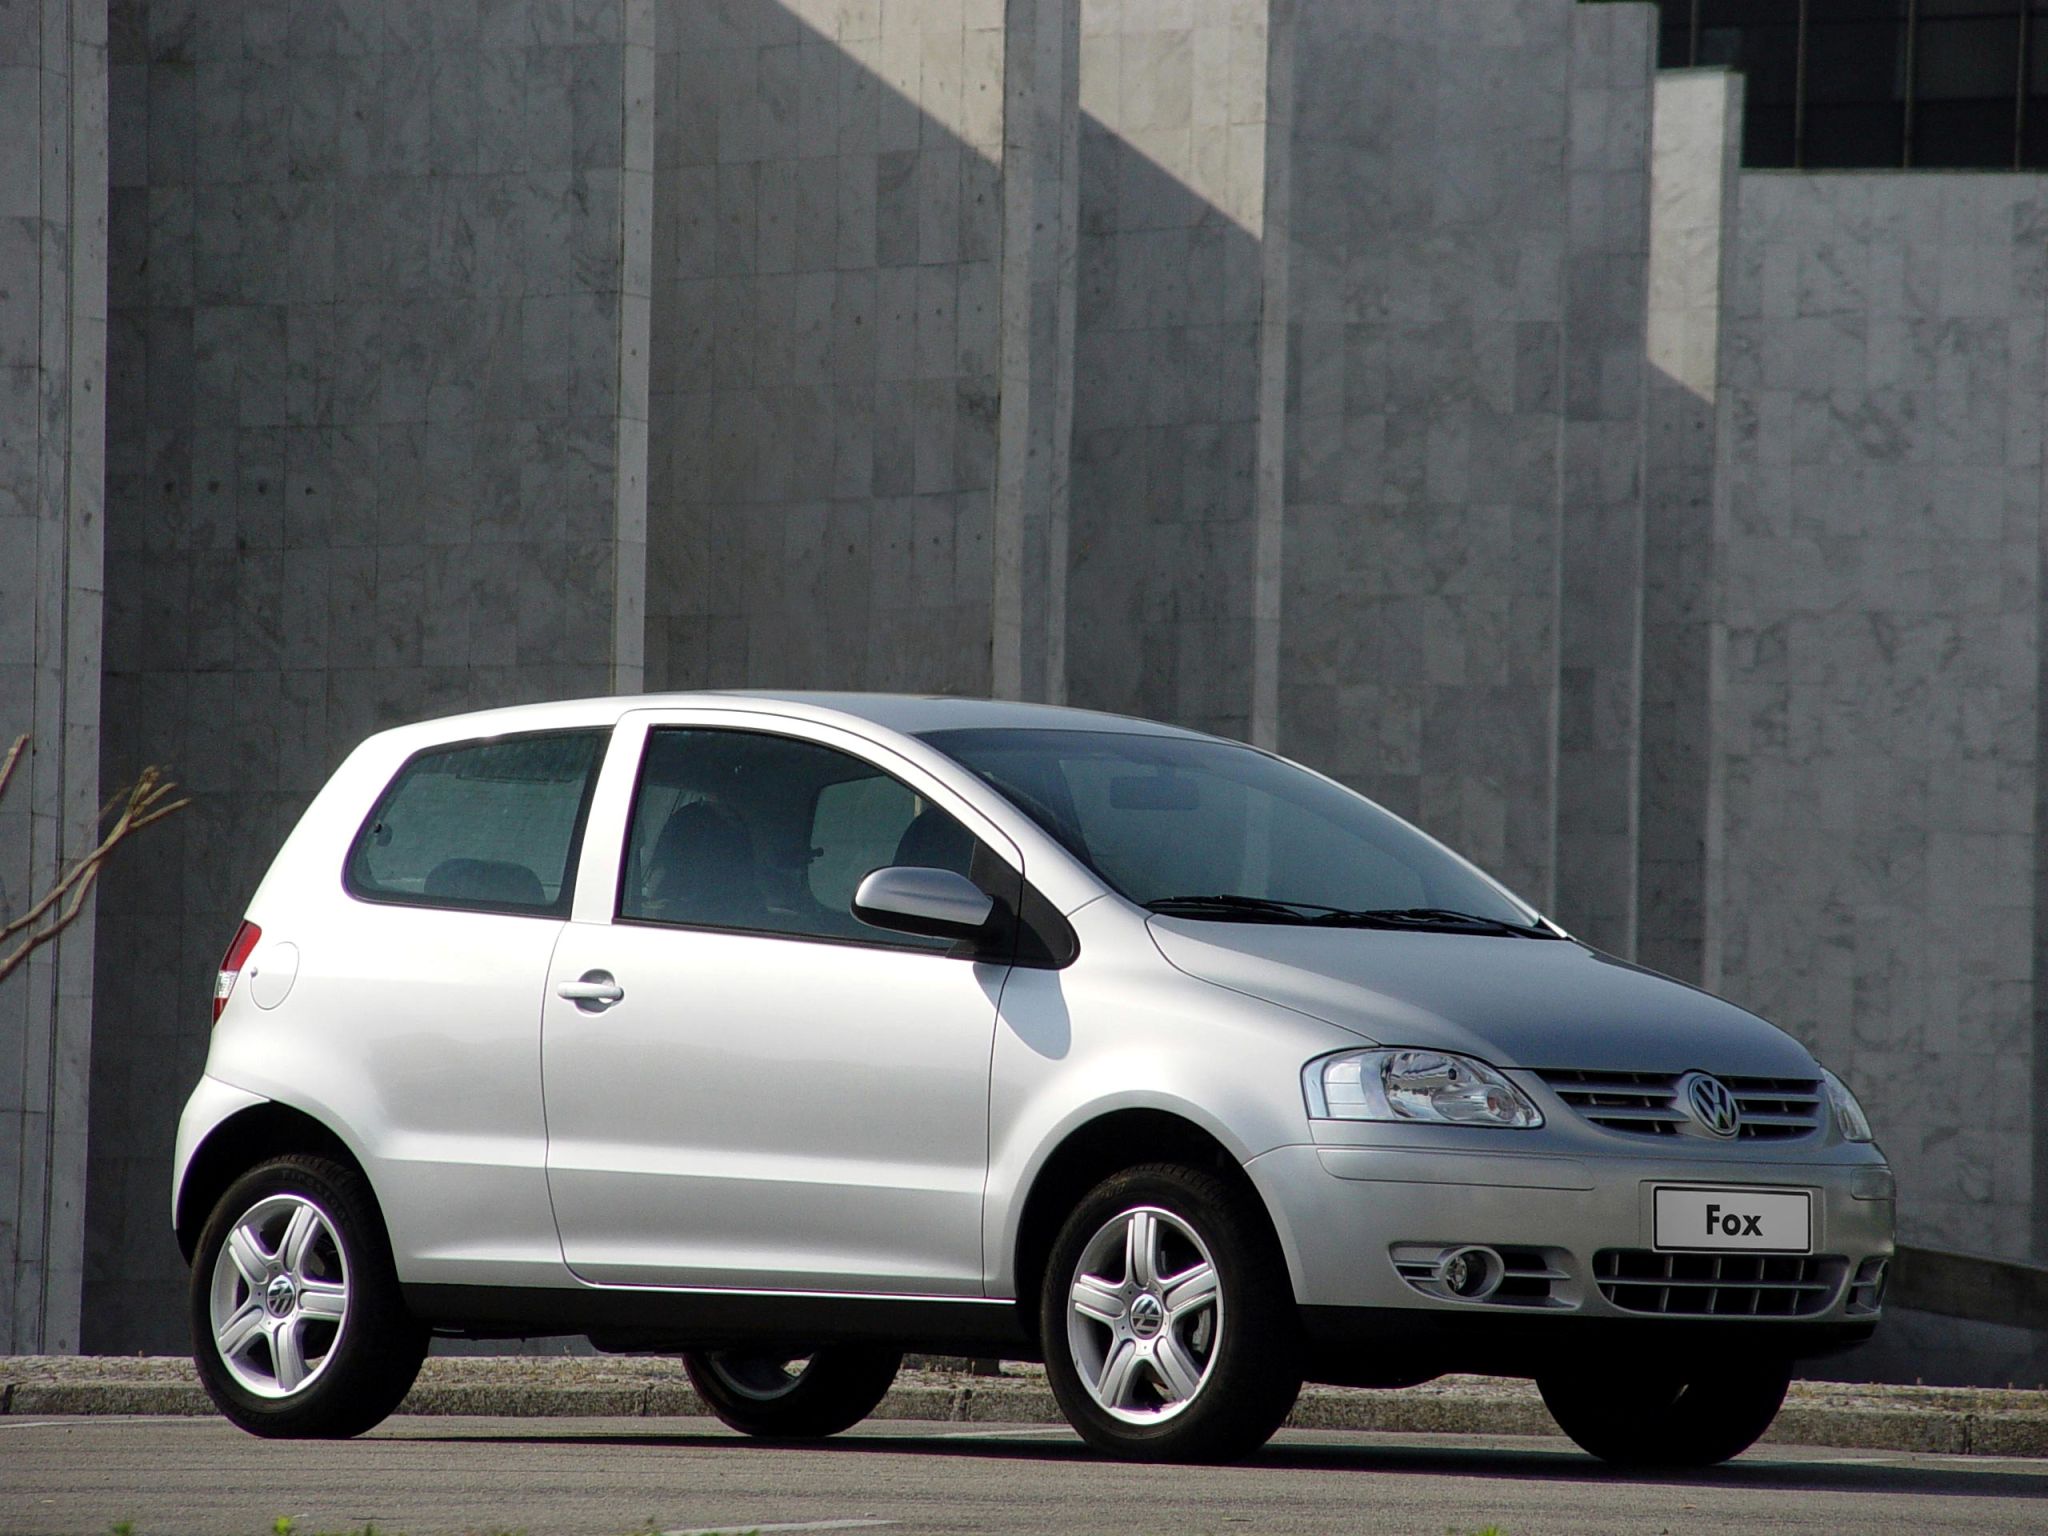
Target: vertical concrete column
[1173, 395]
[1600, 604]
[378, 359]
[1695, 167]
[53, 285]
[632, 407]
[856, 334]
[1041, 194]
[1427, 246]
[1269, 487]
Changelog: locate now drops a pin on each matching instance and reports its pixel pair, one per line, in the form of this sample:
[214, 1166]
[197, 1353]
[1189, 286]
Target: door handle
[595, 992]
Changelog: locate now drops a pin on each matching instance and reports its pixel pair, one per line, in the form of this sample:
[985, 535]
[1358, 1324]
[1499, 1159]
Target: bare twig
[141, 804]
[7, 764]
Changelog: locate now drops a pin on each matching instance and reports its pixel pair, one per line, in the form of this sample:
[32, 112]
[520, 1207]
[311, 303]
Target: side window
[740, 829]
[489, 825]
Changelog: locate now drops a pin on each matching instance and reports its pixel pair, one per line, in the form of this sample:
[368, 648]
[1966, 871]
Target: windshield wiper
[1264, 909]
[1438, 919]
[1250, 909]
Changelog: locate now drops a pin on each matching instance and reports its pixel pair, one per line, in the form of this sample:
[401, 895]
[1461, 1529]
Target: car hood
[1513, 1002]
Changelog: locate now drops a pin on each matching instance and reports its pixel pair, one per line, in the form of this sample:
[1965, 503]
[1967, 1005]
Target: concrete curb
[1943, 1420]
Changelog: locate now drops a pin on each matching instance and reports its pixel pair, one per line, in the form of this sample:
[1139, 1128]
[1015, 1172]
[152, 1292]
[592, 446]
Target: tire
[298, 1327]
[1192, 1353]
[1663, 1421]
[783, 1398]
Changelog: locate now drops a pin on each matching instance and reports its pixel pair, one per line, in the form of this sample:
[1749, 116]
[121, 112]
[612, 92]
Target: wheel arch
[1090, 1153]
[241, 1141]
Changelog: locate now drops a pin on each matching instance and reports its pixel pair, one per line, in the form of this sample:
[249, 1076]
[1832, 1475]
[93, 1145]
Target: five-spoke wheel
[1145, 1315]
[298, 1326]
[280, 1295]
[1168, 1320]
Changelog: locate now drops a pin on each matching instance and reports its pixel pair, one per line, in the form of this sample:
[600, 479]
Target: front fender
[1074, 1046]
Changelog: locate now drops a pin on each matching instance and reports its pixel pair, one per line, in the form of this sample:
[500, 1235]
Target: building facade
[1429, 391]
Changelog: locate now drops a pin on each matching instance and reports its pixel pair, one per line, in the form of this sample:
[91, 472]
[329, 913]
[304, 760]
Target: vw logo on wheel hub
[1711, 1104]
[1148, 1315]
[280, 1296]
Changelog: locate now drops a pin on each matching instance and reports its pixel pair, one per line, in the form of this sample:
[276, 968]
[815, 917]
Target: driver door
[778, 1097]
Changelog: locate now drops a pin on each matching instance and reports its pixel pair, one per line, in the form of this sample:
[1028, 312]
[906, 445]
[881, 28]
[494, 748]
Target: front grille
[1866, 1292]
[1529, 1278]
[1717, 1284]
[1646, 1103]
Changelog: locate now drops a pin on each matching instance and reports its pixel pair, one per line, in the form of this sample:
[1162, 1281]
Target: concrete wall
[1177, 329]
[1872, 880]
[1600, 511]
[380, 285]
[1459, 420]
[1369, 378]
[864, 256]
[53, 280]
[1694, 180]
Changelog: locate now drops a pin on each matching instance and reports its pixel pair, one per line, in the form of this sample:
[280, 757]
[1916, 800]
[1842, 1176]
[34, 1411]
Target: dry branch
[7, 764]
[140, 804]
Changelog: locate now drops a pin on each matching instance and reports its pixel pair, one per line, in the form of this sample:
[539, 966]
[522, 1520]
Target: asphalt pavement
[87, 1476]
[1978, 1420]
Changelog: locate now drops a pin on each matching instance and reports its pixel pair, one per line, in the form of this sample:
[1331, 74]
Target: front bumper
[1359, 1222]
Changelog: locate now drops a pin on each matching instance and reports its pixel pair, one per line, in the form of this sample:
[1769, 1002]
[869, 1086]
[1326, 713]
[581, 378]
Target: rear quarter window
[488, 826]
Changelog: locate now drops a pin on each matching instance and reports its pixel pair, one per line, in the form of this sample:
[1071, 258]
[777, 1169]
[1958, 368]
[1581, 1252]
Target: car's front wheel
[298, 1327]
[805, 1397]
[1666, 1419]
[1168, 1320]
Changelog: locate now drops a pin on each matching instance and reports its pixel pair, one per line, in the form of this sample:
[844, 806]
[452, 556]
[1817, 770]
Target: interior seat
[934, 840]
[497, 882]
[702, 870]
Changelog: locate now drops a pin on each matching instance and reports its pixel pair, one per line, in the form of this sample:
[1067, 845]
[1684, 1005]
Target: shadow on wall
[827, 356]
[1165, 451]
[1677, 669]
[826, 346]
[367, 373]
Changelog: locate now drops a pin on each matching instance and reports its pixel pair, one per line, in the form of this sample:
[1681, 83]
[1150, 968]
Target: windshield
[1173, 822]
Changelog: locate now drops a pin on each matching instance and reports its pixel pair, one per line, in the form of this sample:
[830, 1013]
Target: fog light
[1470, 1274]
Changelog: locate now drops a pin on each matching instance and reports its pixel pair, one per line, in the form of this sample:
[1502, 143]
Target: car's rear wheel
[298, 1327]
[784, 1397]
[1168, 1320]
[1667, 1419]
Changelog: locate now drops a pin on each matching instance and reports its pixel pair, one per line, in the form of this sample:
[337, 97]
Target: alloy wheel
[279, 1297]
[1144, 1315]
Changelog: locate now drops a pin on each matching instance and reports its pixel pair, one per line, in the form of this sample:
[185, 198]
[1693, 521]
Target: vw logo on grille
[1711, 1103]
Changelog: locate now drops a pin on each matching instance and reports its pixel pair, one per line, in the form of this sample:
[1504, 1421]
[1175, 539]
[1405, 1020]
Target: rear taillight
[231, 965]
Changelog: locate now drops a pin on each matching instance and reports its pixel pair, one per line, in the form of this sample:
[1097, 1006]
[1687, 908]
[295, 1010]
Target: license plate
[1738, 1220]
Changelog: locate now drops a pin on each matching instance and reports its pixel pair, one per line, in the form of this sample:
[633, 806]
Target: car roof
[905, 714]
[913, 714]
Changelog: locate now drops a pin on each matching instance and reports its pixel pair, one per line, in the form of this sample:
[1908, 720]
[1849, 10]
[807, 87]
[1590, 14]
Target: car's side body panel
[411, 1032]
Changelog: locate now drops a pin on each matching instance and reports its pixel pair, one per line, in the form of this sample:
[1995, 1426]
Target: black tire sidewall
[842, 1385]
[376, 1355]
[1255, 1374]
[1667, 1422]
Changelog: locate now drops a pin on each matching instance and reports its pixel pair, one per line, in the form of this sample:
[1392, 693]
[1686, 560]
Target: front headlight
[1435, 1087]
[1849, 1117]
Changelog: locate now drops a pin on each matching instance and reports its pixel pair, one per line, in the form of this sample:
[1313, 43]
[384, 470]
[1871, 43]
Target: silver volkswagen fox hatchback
[788, 1033]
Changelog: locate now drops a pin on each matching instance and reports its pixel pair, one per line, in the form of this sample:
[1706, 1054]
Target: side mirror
[933, 902]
